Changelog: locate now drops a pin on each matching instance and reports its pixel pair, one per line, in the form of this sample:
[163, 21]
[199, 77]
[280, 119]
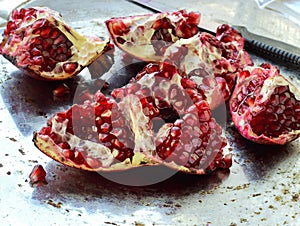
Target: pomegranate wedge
[265, 106]
[212, 62]
[146, 37]
[39, 42]
[160, 118]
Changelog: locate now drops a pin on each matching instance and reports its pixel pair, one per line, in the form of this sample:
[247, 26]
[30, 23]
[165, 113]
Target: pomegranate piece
[40, 43]
[160, 117]
[37, 176]
[146, 37]
[265, 107]
[190, 140]
[212, 62]
[92, 136]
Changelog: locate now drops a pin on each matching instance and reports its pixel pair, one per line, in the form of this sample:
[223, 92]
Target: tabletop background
[262, 187]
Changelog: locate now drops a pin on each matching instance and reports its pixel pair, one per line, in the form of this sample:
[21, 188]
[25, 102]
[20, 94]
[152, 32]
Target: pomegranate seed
[38, 60]
[93, 163]
[37, 176]
[54, 33]
[70, 67]
[64, 145]
[69, 154]
[35, 52]
[61, 90]
[61, 58]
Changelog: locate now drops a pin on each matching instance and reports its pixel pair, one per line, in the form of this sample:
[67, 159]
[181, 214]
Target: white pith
[95, 150]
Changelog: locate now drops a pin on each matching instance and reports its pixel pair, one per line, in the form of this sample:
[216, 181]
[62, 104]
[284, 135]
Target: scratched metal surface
[262, 187]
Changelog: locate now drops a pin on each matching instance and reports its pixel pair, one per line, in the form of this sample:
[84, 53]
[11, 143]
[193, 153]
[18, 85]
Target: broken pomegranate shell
[146, 37]
[40, 43]
[265, 106]
[158, 118]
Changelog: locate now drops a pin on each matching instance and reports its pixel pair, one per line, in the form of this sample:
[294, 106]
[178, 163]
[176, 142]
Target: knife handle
[272, 52]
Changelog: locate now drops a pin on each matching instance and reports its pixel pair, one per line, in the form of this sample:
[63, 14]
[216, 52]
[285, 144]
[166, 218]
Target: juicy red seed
[47, 43]
[204, 116]
[38, 60]
[61, 90]
[36, 41]
[10, 26]
[36, 52]
[70, 67]
[37, 176]
[78, 158]
[54, 33]
[69, 154]
[45, 32]
[105, 137]
[61, 48]
[119, 28]
[45, 131]
[64, 145]
[117, 144]
[61, 39]
[175, 132]
[61, 57]
[93, 163]
[124, 154]
[53, 136]
[194, 18]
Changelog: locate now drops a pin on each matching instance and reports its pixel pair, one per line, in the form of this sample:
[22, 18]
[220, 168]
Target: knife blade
[269, 48]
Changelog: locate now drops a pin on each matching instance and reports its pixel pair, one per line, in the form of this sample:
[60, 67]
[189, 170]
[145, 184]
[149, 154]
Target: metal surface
[262, 187]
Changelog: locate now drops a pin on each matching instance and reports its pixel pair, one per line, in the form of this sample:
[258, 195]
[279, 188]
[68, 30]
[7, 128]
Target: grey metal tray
[261, 188]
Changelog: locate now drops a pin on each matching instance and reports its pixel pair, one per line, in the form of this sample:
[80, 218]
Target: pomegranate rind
[133, 34]
[245, 106]
[52, 150]
[14, 47]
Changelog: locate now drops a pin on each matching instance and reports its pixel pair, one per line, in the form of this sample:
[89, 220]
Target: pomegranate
[146, 37]
[160, 117]
[265, 106]
[39, 42]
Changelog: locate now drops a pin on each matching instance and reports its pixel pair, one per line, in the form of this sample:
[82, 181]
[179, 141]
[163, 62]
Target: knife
[253, 43]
